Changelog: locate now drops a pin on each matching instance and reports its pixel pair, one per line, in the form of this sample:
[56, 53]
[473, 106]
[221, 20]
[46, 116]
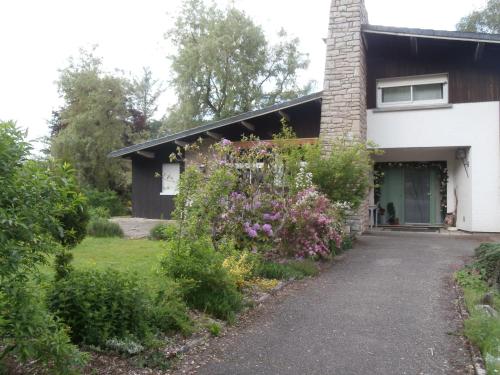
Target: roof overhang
[432, 34]
[241, 119]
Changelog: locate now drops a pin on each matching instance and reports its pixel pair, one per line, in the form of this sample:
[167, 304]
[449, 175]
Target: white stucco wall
[432, 134]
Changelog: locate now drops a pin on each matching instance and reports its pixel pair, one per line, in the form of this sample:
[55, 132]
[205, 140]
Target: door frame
[394, 173]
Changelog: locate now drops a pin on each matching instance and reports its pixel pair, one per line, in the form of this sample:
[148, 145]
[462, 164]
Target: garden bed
[480, 306]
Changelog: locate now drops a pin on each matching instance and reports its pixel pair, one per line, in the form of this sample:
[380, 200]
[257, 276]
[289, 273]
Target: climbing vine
[440, 166]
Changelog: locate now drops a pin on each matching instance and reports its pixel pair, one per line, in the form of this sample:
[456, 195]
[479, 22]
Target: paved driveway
[386, 308]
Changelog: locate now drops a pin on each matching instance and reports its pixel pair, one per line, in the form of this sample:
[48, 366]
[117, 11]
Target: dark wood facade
[472, 77]
[147, 201]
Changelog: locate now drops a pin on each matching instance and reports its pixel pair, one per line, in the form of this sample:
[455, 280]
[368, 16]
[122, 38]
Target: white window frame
[413, 81]
[170, 174]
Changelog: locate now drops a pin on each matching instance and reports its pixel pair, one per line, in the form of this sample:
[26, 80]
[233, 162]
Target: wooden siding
[469, 80]
[146, 188]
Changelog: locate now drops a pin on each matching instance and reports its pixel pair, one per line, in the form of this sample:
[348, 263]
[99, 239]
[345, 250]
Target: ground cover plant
[482, 298]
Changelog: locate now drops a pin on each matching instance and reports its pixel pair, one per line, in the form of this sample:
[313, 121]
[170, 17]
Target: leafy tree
[145, 93]
[485, 21]
[95, 115]
[224, 65]
[41, 212]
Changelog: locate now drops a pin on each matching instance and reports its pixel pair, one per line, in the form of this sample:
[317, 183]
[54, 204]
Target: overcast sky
[37, 37]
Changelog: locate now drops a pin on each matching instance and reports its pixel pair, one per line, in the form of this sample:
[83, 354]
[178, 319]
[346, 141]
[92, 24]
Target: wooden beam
[479, 52]
[248, 125]
[294, 141]
[284, 115]
[214, 135]
[181, 143]
[414, 45]
[146, 154]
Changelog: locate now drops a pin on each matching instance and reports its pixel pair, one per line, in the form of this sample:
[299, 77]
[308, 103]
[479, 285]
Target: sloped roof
[215, 125]
[433, 34]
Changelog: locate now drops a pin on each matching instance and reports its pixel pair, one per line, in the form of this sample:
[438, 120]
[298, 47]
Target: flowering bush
[259, 196]
[311, 226]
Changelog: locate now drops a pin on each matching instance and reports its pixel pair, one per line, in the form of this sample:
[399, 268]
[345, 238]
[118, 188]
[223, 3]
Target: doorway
[408, 193]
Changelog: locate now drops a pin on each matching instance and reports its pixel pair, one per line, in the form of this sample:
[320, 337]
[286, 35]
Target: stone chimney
[343, 110]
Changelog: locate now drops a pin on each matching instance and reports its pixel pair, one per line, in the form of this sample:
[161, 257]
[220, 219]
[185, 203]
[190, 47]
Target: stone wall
[343, 111]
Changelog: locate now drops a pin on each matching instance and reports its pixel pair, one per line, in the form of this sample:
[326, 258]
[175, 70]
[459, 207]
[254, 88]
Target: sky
[37, 38]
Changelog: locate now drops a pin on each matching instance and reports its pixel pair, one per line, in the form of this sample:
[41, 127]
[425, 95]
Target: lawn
[140, 255]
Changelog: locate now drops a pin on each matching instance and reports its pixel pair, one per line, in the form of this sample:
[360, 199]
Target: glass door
[417, 195]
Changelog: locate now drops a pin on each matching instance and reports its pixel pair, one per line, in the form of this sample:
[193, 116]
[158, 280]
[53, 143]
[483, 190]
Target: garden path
[387, 307]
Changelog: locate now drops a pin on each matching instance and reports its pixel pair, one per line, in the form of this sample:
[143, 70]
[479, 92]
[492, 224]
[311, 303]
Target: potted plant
[391, 214]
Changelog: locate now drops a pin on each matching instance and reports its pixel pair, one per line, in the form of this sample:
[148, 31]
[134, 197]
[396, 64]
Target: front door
[417, 202]
[409, 194]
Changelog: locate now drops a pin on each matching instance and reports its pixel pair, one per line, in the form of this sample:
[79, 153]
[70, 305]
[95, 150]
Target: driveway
[386, 308]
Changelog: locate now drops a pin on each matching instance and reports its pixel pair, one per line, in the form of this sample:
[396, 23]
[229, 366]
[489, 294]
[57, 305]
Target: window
[412, 91]
[170, 179]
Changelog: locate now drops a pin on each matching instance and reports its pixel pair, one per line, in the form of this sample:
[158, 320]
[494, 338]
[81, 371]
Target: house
[429, 99]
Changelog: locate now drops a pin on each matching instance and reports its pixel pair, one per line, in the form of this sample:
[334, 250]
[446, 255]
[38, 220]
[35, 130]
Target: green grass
[482, 330]
[285, 271]
[141, 256]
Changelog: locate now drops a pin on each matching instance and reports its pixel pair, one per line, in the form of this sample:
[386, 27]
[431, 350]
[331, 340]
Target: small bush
[163, 232]
[488, 259]
[214, 329]
[124, 346]
[286, 271]
[205, 283]
[108, 200]
[169, 312]
[99, 306]
[240, 266]
[103, 228]
[99, 213]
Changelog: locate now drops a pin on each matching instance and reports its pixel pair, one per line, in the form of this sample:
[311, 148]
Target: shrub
[100, 306]
[107, 200]
[343, 175]
[103, 228]
[41, 211]
[488, 259]
[99, 213]
[240, 266]
[205, 283]
[286, 271]
[169, 312]
[310, 226]
[214, 329]
[163, 232]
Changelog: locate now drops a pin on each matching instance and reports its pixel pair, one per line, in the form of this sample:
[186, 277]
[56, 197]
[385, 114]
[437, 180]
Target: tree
[41, 212]
[484, 21]
[144, 94]
[95, 115]
[224, 65]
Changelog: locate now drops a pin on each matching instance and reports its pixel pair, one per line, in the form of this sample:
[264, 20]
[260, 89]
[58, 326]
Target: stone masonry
[343, 111]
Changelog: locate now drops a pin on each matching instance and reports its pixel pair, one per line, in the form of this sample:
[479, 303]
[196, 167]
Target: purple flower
[256, 226]
[267, 228]
[267, 216]
[251, 233]
[225, 142]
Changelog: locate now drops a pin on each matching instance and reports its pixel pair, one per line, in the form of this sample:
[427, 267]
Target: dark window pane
[428, 92]
[396, 94]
